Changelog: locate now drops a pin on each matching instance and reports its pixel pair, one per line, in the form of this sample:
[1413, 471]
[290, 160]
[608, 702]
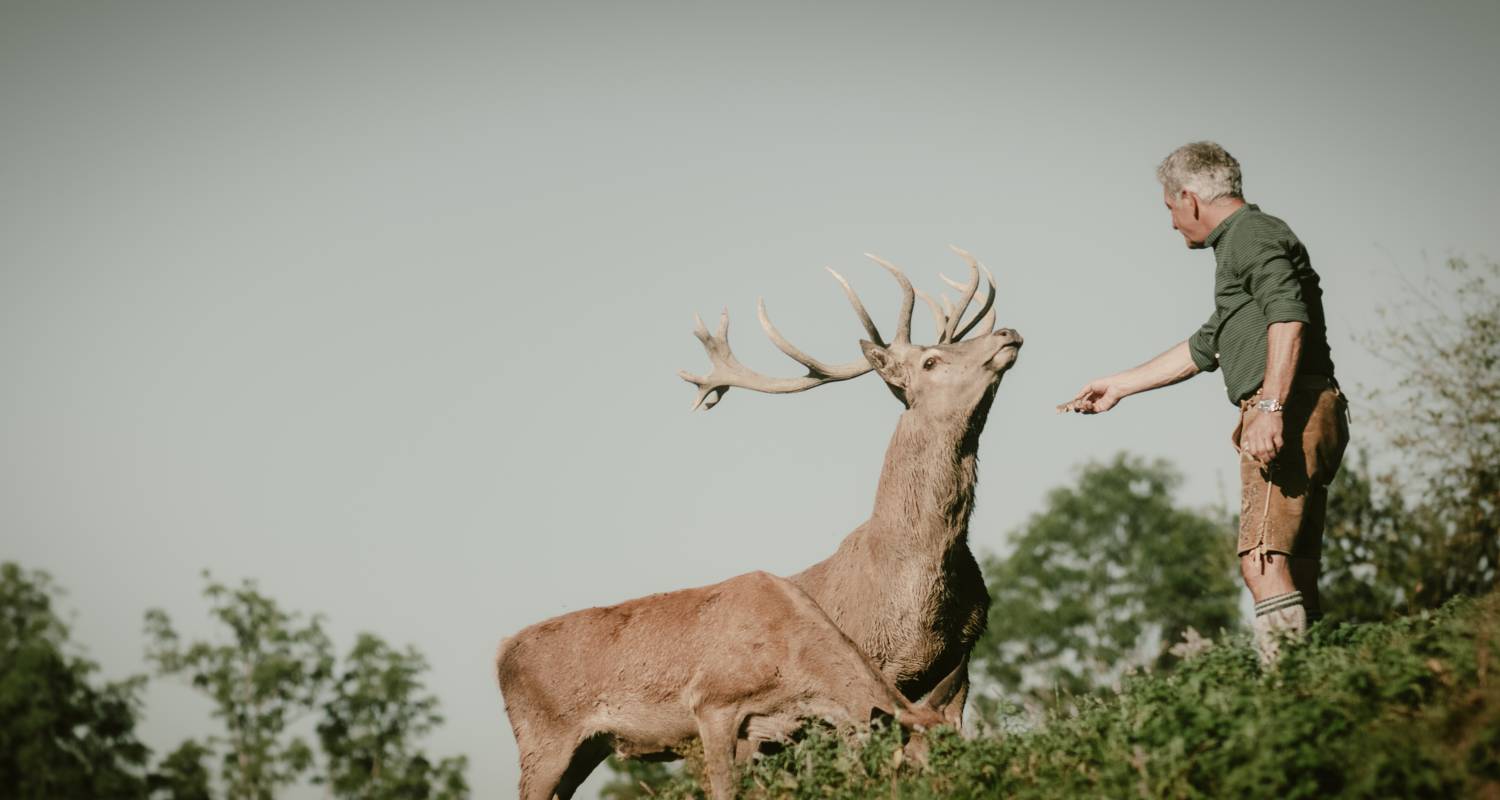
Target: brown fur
[733, 664]
[904, 585]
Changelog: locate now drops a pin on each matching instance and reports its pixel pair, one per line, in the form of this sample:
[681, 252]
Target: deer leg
[542, 772]
[588, 755]
[718, 728]
[548, 772]
[953, 709]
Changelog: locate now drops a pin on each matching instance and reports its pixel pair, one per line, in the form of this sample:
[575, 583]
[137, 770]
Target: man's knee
[1267, 574]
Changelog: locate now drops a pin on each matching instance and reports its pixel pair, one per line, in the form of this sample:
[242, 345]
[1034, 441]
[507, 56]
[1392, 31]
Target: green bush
[1408, 708]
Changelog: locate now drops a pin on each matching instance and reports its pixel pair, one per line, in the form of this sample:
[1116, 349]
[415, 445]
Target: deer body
[891, 616]
[732, 664]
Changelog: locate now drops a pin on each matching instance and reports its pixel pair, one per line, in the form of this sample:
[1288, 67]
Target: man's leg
[1268, 577]
[1269, 522]
[1273, 502]
[1279, 606]
[1305, 573]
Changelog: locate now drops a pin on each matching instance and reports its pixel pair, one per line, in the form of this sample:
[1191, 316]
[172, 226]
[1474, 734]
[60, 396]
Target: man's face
[1185, 218]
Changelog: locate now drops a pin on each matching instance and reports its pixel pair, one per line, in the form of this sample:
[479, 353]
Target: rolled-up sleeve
[1201, 344]
[1277, 289]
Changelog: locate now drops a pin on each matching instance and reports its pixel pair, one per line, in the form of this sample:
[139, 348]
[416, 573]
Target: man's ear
[1190, 197]
[884, 363]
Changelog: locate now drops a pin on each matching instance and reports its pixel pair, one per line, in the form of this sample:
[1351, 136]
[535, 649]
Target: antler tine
[937, 312]
[815, 368]
[859, 308]
[728, 371]
[908, 299]
[949, 314]
[986, 323]
[968, 293]
[985, 311]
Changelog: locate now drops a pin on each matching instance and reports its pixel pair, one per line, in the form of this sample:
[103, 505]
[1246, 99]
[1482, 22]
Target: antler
[948, 316]
[728, 371]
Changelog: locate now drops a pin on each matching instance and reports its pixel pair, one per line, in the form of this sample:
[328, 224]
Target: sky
[381, 304]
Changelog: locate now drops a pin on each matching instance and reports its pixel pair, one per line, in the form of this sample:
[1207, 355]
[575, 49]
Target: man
[1267, 333]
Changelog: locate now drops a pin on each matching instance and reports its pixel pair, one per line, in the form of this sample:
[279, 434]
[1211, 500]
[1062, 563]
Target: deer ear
[884, 363]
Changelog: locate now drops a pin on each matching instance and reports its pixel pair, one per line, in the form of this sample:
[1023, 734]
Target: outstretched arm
[1174, 366]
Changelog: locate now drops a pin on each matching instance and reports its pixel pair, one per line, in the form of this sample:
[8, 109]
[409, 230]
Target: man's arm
[1174, 366]
[1262, 436]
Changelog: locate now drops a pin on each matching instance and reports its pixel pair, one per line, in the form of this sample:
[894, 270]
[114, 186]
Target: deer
[904, 585]
[735, 665]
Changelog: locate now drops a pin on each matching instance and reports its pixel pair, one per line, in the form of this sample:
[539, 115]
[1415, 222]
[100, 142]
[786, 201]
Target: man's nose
[1012, 334]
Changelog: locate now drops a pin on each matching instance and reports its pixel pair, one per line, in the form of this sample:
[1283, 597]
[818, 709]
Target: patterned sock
[1277, 618]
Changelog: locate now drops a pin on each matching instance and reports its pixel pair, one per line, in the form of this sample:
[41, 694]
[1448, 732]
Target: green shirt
[1263, 276]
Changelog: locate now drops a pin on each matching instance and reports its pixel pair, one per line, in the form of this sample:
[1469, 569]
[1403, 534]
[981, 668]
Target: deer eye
[931, 362]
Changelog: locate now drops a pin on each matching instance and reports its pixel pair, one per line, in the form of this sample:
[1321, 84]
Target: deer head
[951, 375]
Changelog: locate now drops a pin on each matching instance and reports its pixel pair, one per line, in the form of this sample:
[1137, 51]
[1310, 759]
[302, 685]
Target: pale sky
[381, 304]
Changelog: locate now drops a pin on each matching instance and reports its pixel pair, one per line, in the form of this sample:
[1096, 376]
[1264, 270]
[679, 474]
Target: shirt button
[1216, 355]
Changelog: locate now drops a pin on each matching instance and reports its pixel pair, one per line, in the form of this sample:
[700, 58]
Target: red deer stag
[733, 664]
[904, 585]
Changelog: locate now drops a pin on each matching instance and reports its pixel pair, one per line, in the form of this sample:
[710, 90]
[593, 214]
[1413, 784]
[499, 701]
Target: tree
[182, 774]
[1103, 579]
[377, 710]
[1372, 545]
[270, 671]
[1443, 417]
[62, 734]
[1427, 528]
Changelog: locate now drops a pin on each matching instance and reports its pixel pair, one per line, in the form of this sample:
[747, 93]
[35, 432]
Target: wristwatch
[1270, 406]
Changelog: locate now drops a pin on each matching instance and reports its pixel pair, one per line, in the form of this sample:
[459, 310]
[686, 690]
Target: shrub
[1407, 708]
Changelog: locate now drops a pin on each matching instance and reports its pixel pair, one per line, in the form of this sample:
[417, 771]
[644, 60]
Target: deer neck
[926, 491]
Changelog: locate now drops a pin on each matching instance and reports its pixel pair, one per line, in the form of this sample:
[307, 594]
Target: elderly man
[1267, 333]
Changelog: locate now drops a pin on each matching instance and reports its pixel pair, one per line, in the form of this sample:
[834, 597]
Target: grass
[1409, 708]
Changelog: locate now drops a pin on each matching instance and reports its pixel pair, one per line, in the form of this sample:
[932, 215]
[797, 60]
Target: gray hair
[1203, 168]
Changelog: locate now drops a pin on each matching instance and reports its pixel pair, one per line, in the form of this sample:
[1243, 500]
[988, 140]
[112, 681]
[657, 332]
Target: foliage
[1442, 415]
[1372, 553]
[634, 779]
[62, 734]
[377, 710]
[275, 668]
[182, 775]
[1108, 567]
[1407, 708]
[269, 672]
[1427, 527]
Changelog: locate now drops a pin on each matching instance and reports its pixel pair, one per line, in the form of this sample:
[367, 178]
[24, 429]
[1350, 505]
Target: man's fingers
[1080, 402]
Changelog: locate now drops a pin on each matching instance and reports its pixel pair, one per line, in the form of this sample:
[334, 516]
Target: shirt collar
[1218, 232]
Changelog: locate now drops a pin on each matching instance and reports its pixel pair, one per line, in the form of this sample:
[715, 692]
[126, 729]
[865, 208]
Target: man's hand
[1096, 398]
[1261, 438]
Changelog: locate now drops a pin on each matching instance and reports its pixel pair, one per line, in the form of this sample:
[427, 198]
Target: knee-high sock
[1277, 618]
